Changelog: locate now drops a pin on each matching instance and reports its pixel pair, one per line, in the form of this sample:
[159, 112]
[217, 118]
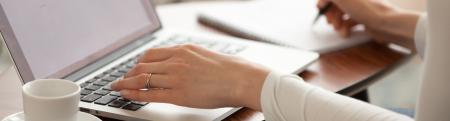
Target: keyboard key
[90, 98]
[93, 87]
[115, 93]
[109, 78]
[102, 92]
[85, 92]
[117, 74]
[99, 76]
[219, 47]
[114, 68]
[117, 103]
[105, 100]
[82, 85]
[101, 83]
[232, 49]
[138, 56]
[91, 80]
[108, 71]
[178, 39]
[139, 103]
[124, 99]
[131, 60]
[123, 69]
[132, 107]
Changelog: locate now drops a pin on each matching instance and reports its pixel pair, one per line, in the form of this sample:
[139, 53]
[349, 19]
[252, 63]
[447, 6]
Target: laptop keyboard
[98, 90]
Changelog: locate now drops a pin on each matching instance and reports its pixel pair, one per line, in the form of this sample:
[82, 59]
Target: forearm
[401, 26]
[287, 98]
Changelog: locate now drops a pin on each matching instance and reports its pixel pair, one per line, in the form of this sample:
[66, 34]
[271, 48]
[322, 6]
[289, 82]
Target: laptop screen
[57, 37]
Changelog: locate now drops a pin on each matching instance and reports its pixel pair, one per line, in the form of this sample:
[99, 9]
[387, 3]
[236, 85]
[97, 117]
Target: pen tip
[315, 20]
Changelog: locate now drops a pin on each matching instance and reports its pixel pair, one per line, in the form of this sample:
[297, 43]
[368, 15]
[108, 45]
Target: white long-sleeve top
[286, 97]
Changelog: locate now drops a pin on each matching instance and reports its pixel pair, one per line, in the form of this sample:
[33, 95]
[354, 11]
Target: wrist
[250, 86]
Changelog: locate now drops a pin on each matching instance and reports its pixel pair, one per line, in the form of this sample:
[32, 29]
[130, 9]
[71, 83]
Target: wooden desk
[347, 72]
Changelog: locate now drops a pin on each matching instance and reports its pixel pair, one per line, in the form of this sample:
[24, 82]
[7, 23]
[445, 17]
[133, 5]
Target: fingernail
[124, 92]
[322, 4]
[113, 86]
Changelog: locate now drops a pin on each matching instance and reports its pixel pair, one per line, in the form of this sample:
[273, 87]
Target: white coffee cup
[50, 100]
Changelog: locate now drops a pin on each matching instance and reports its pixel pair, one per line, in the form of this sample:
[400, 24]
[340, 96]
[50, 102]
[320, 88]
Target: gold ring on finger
[148, 77]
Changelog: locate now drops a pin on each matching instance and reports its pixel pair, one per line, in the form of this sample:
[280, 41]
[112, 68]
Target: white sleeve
[288, 98]
[420, 35]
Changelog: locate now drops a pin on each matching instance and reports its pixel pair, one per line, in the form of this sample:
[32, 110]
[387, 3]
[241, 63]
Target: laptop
[95, 42]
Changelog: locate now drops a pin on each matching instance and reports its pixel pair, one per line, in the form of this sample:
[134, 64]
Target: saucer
[82, 116]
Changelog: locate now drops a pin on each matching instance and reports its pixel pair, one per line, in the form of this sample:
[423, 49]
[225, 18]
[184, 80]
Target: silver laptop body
[94, 42]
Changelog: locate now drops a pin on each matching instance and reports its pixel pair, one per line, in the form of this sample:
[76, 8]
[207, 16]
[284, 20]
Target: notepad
[282, 22]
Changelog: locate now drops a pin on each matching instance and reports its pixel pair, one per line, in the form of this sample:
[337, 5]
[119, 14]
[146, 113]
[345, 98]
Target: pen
[322, 11]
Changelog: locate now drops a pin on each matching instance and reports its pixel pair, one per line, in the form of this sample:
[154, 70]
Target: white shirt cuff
[282, 91]
[420, 36]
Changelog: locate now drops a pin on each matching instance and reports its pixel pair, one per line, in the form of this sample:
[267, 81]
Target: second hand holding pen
[322, 11]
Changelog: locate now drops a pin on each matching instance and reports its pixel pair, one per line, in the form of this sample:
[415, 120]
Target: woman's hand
[192, 76]
[381, 21]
